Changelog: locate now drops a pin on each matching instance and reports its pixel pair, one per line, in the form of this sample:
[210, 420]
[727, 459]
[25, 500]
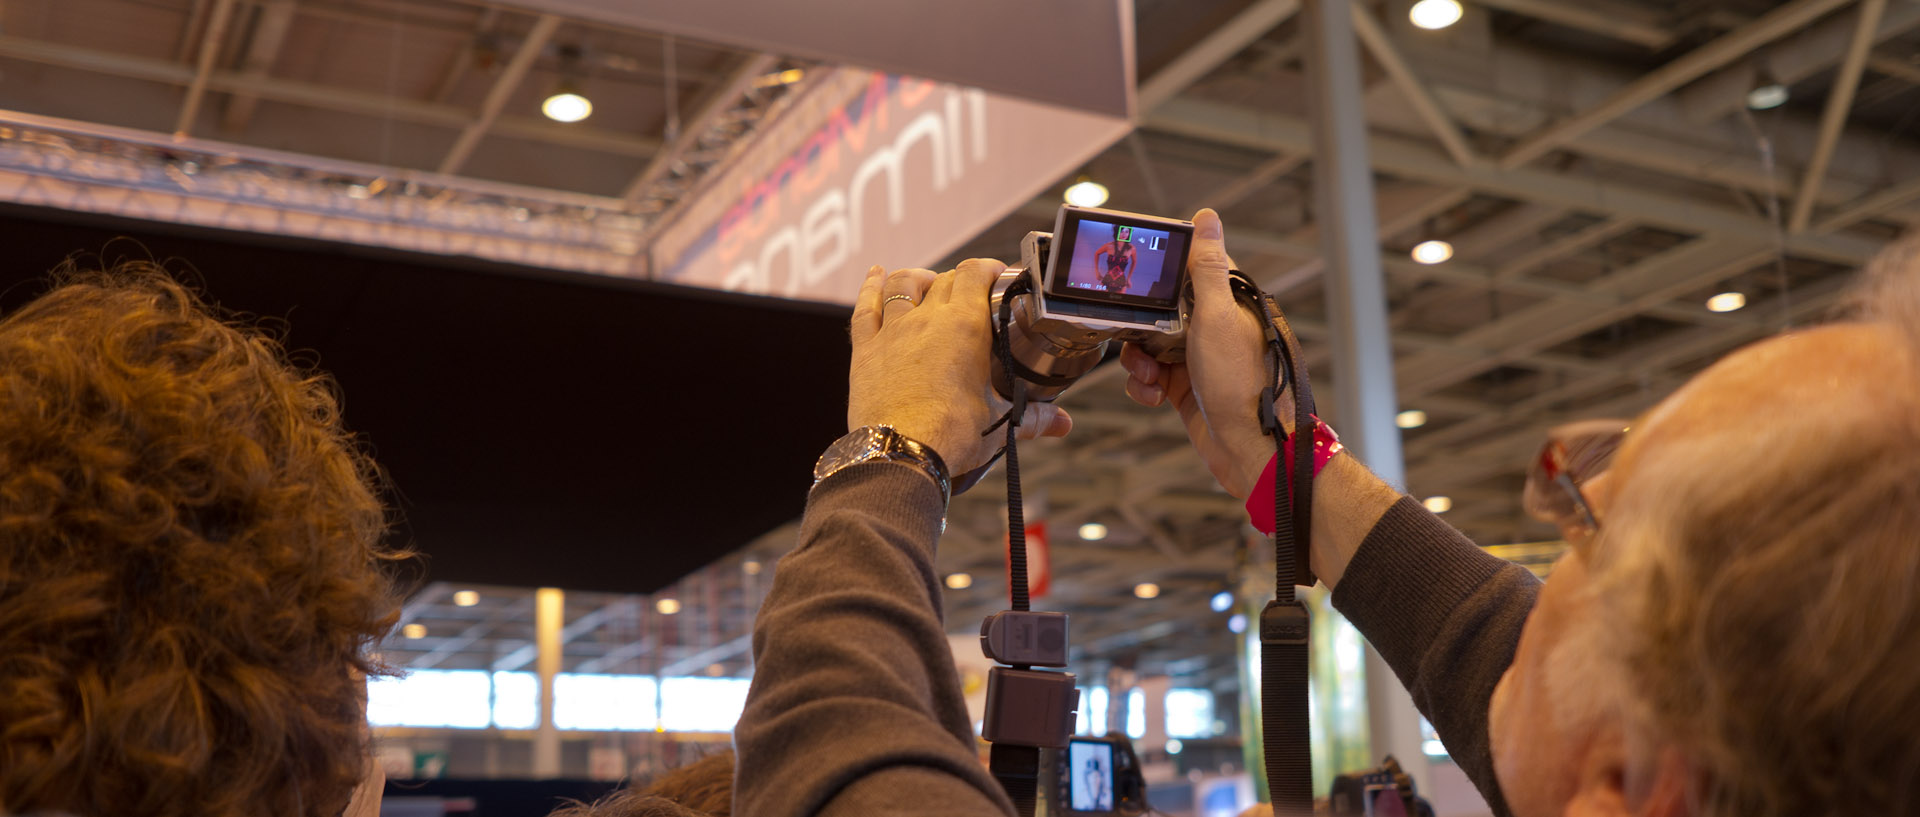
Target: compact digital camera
[1100, 276]
[1095, 777]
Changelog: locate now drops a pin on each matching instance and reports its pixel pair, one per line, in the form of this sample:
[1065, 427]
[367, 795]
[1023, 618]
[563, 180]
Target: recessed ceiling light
[1221, 601]
[1086, 193]
[1146, 590]
[1435, 14]
[466, 598]
[1439, 504]
[1432, 252]
[1411, 418]
[1237, 624]
[1726, 302]
[567, 106]
[414, 631]
[959, 581]
[667, 607]
[1093, 532]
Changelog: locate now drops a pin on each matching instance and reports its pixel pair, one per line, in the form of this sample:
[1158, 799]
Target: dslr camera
[1100, 276]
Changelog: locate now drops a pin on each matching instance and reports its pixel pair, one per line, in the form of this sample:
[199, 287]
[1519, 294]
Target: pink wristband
[1260, 502]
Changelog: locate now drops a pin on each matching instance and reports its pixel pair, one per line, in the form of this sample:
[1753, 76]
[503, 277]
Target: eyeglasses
[1553, 463]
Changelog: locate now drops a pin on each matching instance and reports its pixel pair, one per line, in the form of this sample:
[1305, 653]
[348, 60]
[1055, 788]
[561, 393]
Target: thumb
[1044, 420]
[1207, 265]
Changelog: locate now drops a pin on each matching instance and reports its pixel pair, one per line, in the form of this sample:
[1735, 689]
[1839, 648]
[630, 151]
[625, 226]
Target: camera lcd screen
[1089, 776]
[1109, 257]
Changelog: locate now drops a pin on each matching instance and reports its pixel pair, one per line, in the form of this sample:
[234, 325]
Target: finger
[1139, 365]
[1044, 420]
[973, 281]
[1208, 264]
[903, 290]
[866, 306]
[1146, 394]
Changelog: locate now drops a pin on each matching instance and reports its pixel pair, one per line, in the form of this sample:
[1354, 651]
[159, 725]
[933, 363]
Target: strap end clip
[1285, 623]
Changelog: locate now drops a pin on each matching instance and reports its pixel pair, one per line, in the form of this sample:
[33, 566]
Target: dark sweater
[856, 707]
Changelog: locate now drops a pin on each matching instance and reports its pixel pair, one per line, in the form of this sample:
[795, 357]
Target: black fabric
[1447, 617]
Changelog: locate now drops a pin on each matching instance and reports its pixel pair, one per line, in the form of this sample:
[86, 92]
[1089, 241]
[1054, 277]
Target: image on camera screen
[1090, 776]
[1118, 259]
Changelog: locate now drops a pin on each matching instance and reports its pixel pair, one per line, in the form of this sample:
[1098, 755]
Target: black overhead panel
[538, 429]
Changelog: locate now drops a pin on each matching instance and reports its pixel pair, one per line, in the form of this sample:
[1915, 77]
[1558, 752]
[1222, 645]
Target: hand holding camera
[1217, 386]
[920, 347]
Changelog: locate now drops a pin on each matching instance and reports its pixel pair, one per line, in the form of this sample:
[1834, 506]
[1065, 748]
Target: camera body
[1095, 777]
[1100, 276]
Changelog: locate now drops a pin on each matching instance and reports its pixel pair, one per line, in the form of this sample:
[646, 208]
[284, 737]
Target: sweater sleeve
[856, 707]
[1447, 617]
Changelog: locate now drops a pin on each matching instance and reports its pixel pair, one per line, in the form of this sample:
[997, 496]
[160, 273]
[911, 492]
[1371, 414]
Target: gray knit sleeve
[1447, 617]
[856, 707]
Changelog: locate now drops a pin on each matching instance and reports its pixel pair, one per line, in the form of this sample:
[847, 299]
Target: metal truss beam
[500, 93]
[1665, 79]
[324, 97]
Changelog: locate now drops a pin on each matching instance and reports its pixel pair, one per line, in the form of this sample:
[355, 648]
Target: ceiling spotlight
[1432, 252]
[1435, 14]
[466, 598]
[1146, 590]
[1085, 192]
[1439, 504]
[1237, 624]
[787, 77]
[1093, 532]
[1221, 601]
[667, 607]
[750, 567]
[1726, 302]
[566, 106]
[1411, 418]
[1768, 92]
[414, 631]
[959, 581]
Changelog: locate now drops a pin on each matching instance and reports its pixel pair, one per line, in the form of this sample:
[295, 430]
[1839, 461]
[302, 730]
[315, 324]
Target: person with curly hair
[192, 569]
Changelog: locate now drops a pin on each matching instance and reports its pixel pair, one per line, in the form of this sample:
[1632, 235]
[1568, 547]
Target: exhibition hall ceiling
[1594, 166]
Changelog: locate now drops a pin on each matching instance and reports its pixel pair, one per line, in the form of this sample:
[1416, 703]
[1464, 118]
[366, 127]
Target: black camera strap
[1285, 623]
[1016, 767]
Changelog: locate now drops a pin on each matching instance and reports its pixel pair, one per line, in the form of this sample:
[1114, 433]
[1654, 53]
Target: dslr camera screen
[1104, 256]
[1090, 776]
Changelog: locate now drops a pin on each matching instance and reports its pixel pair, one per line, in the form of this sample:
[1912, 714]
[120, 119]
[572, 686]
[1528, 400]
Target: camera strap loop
[1285, 623]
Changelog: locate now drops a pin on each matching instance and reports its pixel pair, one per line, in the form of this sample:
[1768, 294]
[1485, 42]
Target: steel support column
[1357, 310]
[549, 614]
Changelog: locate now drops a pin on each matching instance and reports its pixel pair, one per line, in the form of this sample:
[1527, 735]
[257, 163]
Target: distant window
[1136, 713]
[1189, 713]
[516, 700]
[604, 703]
[460, 699]
[702, 704]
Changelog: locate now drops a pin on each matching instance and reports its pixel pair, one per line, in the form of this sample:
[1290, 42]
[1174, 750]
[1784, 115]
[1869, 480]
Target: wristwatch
[882, 443]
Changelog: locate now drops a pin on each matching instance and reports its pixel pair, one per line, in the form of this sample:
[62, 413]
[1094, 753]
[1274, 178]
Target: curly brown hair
[191, 562]
[703, 788]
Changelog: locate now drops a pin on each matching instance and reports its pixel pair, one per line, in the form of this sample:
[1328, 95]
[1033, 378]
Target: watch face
[861, 444]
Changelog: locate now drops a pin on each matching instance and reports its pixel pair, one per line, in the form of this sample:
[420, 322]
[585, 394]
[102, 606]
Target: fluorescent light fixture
[1086, 193]
[1432, 252]
[1435, 14]
[1411, 418]
[1726, 302]
[1439, 504]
